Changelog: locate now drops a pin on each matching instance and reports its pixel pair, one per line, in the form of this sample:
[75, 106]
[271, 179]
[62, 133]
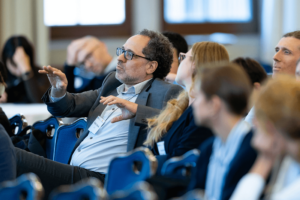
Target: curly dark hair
[158, 49]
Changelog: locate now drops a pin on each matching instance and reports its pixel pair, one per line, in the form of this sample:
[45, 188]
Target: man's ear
[151, 67]
[215, 104]
[256, 85]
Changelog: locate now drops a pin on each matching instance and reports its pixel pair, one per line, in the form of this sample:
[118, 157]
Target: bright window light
[83, 12]
[213, 11]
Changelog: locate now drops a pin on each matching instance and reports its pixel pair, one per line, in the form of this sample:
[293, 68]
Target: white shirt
[97, 150]
[287, 186]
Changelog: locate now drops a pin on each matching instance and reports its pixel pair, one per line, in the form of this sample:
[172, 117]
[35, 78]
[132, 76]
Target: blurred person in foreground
[221, 98]
[88, 63]
[277, 120]
[137, 85]
[173, 132]
[7, 152]
[257, 75]
[24, 83]
[179, 46]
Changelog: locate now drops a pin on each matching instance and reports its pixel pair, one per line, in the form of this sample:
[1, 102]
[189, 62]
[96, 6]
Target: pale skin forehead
[290, 43]
[136, 43]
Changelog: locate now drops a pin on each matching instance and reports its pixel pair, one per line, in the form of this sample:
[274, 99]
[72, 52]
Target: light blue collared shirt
[97, 150]
[221, 157]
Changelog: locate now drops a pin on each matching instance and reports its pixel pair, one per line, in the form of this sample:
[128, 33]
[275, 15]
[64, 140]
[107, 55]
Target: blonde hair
[202, 52]
[279, 103]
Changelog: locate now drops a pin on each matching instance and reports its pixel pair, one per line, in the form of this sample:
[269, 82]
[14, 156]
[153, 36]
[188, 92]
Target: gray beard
[128, 80]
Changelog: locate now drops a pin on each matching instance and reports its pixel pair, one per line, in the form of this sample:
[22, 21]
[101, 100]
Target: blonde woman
[174, 132]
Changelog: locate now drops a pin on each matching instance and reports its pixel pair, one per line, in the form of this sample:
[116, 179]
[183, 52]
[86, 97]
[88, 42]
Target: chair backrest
[88, 189]
[49, 127]
[140, 191]
[66, 138]
[125, 170]
[27, 187]
[182, 165]
[17, 123]
[196, 194]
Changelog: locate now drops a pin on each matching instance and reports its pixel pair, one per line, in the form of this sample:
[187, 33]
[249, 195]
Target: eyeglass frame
[181, 57]
[133, 54]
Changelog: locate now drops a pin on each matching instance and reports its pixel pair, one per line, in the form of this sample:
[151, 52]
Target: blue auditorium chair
[88, 189]
[17, 123]
[27, 187]
[125, 170]
[49, 127]
[196, 194]
[140, 191]
[182, 165]
[65, 139]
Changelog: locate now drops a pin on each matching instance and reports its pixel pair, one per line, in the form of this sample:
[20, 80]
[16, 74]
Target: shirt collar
[135, 89]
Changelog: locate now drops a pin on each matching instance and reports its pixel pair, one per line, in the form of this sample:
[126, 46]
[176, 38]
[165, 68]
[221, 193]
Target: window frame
[72, 32]
[208, 28]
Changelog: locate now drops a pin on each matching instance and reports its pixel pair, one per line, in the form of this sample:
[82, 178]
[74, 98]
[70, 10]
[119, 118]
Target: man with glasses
[111, 129]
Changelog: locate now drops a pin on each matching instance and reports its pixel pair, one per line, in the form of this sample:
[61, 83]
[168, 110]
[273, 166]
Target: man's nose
[276, 57]
[121, 58]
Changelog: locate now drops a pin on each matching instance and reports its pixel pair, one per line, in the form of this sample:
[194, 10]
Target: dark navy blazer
[239, 166]
[184, 135]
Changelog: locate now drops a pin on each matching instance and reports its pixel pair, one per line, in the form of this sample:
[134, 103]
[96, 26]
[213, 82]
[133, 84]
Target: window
[77, 18]
[209, 16]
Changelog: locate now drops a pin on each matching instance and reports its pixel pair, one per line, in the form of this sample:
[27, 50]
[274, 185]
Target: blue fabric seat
[65, 139]
[16, 123]
[89, 189]
[125, 170]
[27, 186]
[140, 191]
[181, 166]
[49, 125]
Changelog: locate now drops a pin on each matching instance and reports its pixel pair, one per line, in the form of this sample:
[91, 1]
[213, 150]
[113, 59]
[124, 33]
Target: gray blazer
[151, 100]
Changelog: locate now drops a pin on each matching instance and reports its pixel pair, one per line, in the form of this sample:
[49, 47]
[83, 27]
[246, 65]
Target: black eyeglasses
[128, 54]
[181, 57]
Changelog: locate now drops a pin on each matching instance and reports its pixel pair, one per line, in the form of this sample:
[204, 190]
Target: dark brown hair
[229, 82]
[295, 34]
[255, 71]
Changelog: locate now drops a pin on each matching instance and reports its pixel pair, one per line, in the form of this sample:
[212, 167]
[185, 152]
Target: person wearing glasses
[143, 61]
[88, 63]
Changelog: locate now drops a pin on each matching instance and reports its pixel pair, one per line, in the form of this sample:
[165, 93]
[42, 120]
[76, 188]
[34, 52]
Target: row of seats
[60, 138]
[131, 186]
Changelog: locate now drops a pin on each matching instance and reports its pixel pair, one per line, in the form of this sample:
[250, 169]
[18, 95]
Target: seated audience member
[143, 61]
[257, 75]
[7, 153]
[179, 46]
[87, 57]
[24, 83]
[287, 52]
[174, 130]
[277, 131]
[221, 98]
[298, 70]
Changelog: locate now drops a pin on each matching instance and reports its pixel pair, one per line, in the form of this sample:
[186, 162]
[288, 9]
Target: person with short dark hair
[24, 83]
[257, 75]
[179, 46]
[287, 52]
[140, 93]
[221, 99]
[7, 153]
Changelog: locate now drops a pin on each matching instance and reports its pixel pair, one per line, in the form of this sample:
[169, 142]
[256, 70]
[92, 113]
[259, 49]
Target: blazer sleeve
[144, 112]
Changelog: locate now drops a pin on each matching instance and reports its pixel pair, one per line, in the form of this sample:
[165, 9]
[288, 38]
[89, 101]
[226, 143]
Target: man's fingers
[43, 71]
[117, 119]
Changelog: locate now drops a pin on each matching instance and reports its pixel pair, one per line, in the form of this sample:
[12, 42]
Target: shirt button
[79, 150]
[91, 137]
[113, 109]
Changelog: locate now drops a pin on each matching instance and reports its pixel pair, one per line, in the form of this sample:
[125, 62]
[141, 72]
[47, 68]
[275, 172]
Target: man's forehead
[136, 43]
[290, 43]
